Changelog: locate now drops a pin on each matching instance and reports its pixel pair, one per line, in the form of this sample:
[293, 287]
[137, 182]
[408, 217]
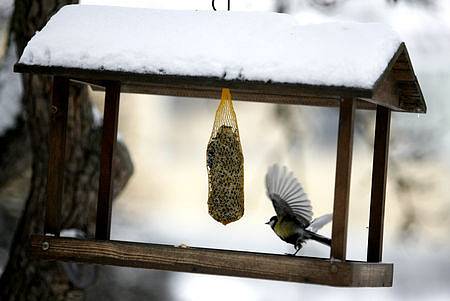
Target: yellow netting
[225, 164]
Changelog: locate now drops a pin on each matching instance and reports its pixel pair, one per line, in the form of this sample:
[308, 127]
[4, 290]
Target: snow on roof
[234, 45]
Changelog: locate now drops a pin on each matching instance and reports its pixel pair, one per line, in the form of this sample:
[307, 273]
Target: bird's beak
[267, 223]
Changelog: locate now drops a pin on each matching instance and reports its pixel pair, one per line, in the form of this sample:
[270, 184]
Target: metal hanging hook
[214, 7]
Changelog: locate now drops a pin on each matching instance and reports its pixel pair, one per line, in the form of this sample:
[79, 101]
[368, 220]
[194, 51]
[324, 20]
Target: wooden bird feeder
[389, 84]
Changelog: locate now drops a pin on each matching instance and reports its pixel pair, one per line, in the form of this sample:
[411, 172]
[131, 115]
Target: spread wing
[287, 195]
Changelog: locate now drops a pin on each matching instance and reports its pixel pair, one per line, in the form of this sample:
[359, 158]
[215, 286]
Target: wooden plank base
[212, 261]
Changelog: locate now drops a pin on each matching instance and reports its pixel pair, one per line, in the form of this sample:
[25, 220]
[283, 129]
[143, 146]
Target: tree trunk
[25, 278]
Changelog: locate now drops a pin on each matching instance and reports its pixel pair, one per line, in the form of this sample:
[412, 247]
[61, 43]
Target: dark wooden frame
[109, 139]
[342, 179]
[57, 147]
[397, 89]
[379, 176]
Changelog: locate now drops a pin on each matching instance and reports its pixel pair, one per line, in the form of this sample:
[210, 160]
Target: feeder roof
[261, 56]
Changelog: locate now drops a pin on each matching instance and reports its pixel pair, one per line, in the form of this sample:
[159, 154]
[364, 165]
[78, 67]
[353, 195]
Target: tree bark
[23, 277]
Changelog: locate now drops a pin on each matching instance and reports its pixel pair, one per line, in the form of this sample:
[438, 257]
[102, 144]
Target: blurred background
[166, 199]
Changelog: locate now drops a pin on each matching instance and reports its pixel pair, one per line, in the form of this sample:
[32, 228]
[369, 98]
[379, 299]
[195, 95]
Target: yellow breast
[284, 228]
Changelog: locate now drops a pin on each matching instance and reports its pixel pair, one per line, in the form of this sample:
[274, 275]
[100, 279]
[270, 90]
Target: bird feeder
[261, 57]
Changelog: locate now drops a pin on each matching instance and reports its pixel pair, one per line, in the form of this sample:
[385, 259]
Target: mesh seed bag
[225, 164]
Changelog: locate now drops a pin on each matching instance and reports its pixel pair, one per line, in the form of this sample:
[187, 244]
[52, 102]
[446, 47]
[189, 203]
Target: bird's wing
[319, 222]
[287, 195]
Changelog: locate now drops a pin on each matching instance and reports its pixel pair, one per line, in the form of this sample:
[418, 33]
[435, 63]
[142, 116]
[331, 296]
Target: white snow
[236, 45]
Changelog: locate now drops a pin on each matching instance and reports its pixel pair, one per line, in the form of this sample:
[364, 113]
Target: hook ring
[214, 7]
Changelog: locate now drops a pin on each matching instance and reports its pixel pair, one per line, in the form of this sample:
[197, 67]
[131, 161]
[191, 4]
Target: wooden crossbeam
[213, 261]
[210, 87]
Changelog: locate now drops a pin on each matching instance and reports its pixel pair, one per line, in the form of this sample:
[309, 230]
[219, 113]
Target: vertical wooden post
[342, 181]
[109, 138]
[379, 175]
[56, 149]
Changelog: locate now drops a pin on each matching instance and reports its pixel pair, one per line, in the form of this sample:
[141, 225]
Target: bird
[293, 221]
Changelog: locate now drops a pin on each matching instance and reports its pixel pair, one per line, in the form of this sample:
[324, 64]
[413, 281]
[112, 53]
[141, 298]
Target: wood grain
[57, 146]
[388, 91]
[378, 193]
[109, 139]
[210, 87]
[342, 180]
[399, 84]
[213, 261]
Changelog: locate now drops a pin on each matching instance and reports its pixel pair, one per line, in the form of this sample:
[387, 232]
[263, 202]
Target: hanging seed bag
[225, 164]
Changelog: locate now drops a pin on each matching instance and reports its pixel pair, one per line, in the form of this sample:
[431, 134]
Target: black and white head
[273, 220]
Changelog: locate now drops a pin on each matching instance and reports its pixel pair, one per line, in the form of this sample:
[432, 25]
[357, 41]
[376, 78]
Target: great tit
[293, 222]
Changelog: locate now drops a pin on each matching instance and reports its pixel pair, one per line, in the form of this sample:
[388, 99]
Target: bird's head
[273, 220]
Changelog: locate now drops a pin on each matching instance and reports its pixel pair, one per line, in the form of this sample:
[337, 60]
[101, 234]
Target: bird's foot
[297, 250]
[298, 247]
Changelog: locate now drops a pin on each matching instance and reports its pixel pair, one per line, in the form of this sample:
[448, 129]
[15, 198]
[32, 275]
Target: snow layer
[235, 45]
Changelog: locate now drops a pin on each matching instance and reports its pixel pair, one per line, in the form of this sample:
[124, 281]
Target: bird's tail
[319, 238]
[319, 222]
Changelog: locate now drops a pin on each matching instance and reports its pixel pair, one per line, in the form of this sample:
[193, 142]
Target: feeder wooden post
[56, 147]
[109, 138]
[379, 175]
[342, 181]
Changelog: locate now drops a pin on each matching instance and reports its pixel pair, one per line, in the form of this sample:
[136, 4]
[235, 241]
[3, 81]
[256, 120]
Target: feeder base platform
[213, 261]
